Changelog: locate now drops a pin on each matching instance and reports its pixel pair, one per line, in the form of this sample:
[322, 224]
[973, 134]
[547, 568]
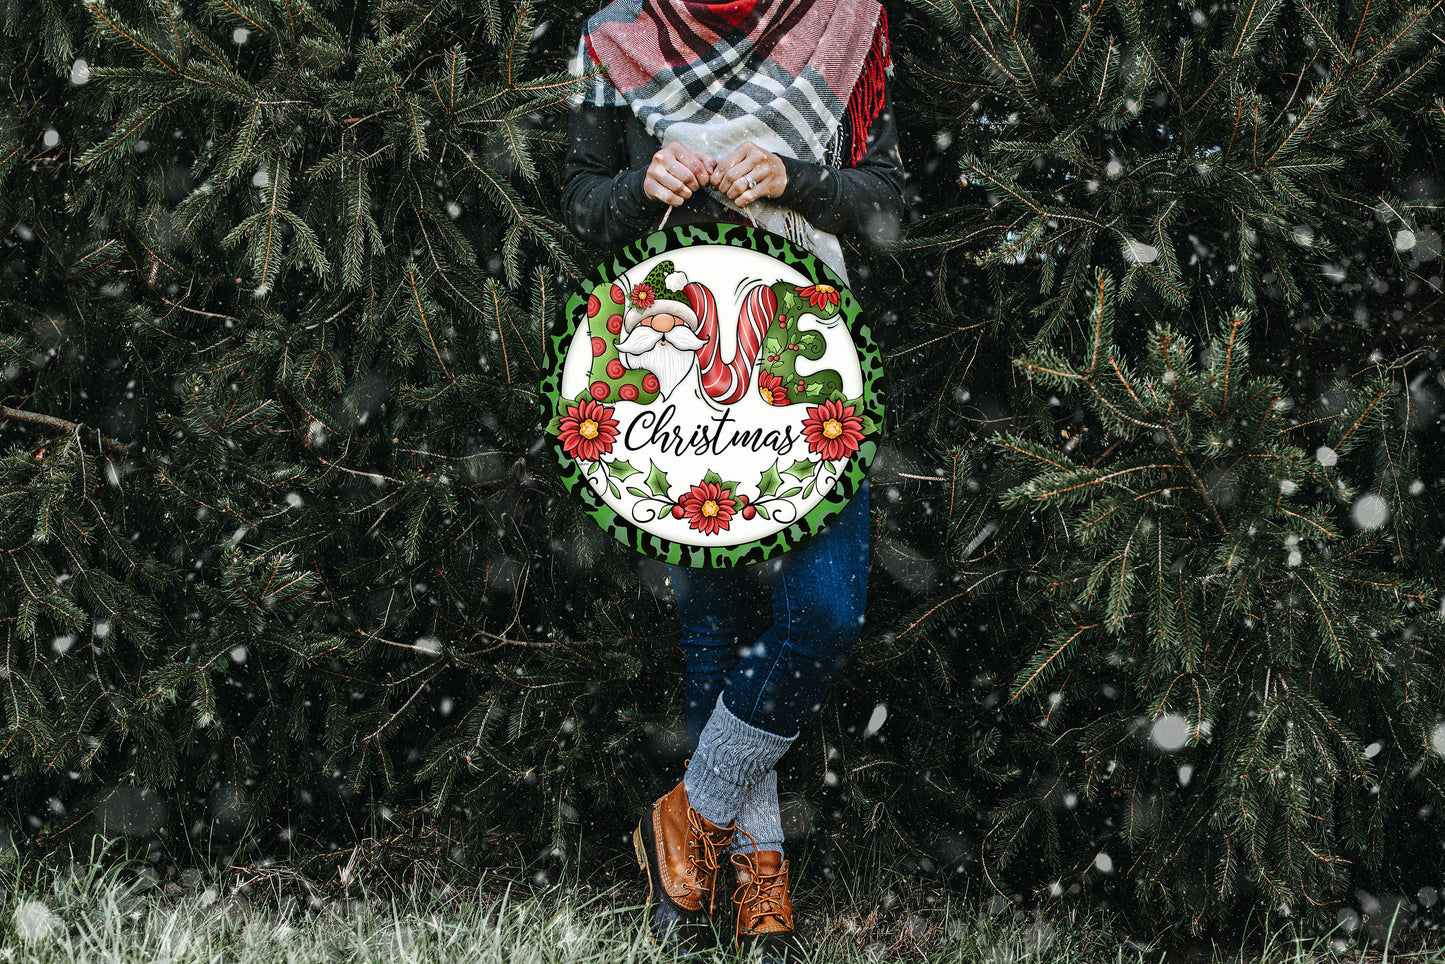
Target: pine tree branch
[61, 425]
[1198, 482]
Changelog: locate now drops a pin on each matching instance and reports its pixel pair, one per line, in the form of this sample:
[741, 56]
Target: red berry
[650, 383]
[600, 390]
[628, 392]
[614, 324]
[594, 305]
[677, 512]
[742, 498]
[749, 512]
[615, 369]
[599, 346]
[618, 297]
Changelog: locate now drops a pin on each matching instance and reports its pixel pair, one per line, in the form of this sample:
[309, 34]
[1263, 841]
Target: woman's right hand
[675, 173]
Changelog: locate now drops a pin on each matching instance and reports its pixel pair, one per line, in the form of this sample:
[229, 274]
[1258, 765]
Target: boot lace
[761, 896]
[702, 858]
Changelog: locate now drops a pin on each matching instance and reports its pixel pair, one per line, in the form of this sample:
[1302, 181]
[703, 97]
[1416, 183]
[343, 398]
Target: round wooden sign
[712, 395]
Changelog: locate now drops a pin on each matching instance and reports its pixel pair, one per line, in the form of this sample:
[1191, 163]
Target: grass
[114, 912]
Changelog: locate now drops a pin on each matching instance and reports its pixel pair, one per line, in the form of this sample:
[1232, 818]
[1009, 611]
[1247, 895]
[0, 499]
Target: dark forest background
[1155, 614]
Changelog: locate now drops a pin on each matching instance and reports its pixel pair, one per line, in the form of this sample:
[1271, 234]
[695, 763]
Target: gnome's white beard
[669, 356]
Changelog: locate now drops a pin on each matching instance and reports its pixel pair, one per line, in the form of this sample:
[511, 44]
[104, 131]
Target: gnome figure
[660, 328]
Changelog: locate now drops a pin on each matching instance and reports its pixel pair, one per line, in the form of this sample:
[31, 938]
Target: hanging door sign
[712, 394]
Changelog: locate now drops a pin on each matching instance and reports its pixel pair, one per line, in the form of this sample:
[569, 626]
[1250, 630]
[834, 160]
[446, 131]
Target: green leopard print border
[569, 471]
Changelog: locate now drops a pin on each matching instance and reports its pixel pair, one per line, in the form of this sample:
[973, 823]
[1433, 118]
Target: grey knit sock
[730, 759]
[760, 817]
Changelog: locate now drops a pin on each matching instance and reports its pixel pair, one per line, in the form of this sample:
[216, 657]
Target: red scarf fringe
[866, 100]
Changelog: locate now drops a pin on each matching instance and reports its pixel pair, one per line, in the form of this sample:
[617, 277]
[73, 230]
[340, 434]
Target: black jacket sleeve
[602, 198]
[865, 200]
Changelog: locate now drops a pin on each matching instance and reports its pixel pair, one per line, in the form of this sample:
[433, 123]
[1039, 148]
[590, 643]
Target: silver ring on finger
[752, 184]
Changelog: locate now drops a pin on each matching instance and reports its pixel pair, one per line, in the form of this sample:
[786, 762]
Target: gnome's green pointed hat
[660, 293]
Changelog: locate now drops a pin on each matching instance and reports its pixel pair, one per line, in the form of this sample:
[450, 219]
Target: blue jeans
[773, 660]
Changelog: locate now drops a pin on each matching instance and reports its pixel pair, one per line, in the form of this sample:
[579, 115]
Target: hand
[675, 173]
[765, 168]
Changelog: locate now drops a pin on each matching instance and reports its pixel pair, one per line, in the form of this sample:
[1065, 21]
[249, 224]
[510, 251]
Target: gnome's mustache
[644, 339]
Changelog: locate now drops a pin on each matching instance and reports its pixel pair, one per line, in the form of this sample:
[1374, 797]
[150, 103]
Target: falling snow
[876, 721]
[1370, 512]
[35, 921]
[1140, 253]
[1170, 732]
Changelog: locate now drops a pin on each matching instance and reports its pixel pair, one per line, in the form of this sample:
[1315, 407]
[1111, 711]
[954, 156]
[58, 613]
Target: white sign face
[713, 395]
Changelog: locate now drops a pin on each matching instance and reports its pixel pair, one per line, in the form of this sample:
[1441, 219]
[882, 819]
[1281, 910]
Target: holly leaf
[772, 347]
[801, 469]
[657, 481]
[770, 481]
[718, 480]
[789, 301]
[621, 469]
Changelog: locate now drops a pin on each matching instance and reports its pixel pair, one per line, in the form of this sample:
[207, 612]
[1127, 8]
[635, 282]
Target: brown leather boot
[764, 909]
[678, 849]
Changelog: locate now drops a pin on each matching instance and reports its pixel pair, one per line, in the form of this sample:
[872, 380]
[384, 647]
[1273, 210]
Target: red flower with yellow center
[588, 431]
[642, 296]
[772, 390]
[833, 430]
[708, 507]
[820, 296]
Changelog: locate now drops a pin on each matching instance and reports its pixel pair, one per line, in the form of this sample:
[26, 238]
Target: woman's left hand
[750, 162]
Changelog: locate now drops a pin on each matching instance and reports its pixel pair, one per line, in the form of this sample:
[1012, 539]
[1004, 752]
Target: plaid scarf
[783, 74]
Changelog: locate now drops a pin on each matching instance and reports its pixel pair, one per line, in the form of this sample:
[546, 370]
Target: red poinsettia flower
[708, 507]
[772, 390]
[833, 430]
[588, 431]
[820, 295]
[643, 296]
